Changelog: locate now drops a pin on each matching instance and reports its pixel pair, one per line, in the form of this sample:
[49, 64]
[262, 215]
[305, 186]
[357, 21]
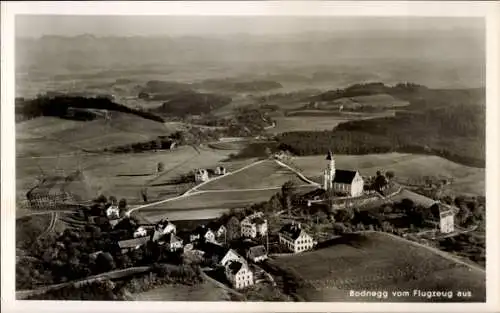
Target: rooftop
[344, 176]
[257, 251]
[291, 230]
[132, 243]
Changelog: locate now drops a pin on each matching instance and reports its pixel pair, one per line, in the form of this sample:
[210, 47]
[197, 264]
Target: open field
[466, 180]
[317, 120]
[123, 175]
[28, 228]
[207, 291]
[395, 264]
[35, 137]
[208, 204]
[378, 101]
[267, 174]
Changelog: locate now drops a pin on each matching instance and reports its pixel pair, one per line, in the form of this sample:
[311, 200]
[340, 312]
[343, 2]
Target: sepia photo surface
[258, 158]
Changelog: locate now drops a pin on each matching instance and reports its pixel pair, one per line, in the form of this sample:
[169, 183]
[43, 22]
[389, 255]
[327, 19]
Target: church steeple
[329, 173]
[329, 156]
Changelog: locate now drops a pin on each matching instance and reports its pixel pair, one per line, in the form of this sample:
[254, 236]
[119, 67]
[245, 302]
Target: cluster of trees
[455, 132]
[367, 89]
[187, 103]
[96, 291]
[65, 106]
[160, 143]
[231, 85]
[165, 274]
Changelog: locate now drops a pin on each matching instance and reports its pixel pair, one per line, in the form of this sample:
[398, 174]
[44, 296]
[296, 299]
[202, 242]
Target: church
[341, 181]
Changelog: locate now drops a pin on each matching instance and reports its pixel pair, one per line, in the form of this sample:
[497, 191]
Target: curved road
[195, 191]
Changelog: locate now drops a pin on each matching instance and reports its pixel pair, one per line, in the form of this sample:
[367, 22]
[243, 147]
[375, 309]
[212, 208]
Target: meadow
[267, 174]
[466, 180]
[328, 274]
[207, 291]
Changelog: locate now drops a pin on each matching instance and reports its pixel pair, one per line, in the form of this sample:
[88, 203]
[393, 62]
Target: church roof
[344, 176]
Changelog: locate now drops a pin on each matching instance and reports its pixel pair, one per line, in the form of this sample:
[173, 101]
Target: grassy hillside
[264, 175]
[329, 274]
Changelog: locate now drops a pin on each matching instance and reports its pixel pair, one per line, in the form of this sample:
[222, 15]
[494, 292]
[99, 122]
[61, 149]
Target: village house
[257, 253]
[254, 225]
[205, 233]
[220, 170]
[342, 181]
[201, 175]
[219, 231]
[113, 212]
[239, 274]
[446, 221]
[295, 239]
[132, 244]
[140, 232]
[171, 241]
[165, 227]
[230, 256]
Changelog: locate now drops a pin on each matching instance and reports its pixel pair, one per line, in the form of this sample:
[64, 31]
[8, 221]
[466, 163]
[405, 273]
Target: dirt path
[191, 191]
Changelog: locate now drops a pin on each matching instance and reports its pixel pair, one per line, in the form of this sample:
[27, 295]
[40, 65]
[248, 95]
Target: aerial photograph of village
[250, 158]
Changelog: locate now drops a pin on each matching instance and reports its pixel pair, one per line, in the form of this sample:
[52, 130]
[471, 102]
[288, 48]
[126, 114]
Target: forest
[72, 107]
[187, 103]
[447, 123]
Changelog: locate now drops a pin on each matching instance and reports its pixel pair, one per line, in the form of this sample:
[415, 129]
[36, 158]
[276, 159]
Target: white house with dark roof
[201, 175]
[113, 212]
[171, 241]
[220, 170]
[239, 274]
[140, 232]
[342, 181]
[254, 225]
[295, 239]
[231, 256]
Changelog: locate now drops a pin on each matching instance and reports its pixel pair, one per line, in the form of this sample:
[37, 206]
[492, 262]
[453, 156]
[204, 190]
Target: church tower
[329, 173]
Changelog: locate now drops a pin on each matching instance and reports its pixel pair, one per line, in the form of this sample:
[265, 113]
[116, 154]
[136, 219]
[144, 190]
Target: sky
[67, 25]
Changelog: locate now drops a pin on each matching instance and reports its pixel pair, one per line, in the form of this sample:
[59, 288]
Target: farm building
[295, 239]
[220, 170]
[172, 242]
[201, 175]
[342, 181]
[132, 244]
[239, 274]
[165, 227]
[231, 256]
[446, 221]
[254, 225]
[257, 253]
[205, 233]
[55, 191]
[113, 212]
[140, 232]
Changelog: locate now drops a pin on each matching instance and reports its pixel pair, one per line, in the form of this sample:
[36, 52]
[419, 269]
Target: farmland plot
[377, 261]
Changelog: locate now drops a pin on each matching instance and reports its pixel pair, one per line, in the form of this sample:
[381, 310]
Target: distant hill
[448, 123]
[236, 85]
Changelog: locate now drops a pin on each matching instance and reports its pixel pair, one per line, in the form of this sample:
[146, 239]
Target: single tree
[160, 167]
[389, 175]
[287, 191]
[232, 229]
[122, 204]
[113, 200]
